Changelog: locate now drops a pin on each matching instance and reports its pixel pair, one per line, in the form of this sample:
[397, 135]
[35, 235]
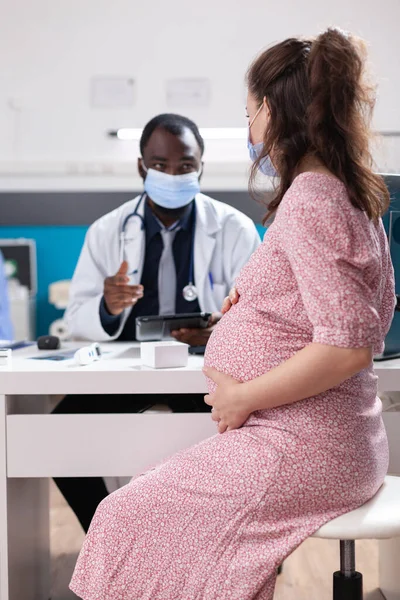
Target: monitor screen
[391, 221]
[21, 259]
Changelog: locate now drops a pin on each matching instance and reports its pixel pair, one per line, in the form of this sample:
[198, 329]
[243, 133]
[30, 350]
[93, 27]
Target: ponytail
[339, 115]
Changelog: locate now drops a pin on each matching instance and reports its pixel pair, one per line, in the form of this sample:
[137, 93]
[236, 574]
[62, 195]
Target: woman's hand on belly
[233, 298]
[229, 408]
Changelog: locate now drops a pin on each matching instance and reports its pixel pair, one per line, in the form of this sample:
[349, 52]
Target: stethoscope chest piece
[190, 293]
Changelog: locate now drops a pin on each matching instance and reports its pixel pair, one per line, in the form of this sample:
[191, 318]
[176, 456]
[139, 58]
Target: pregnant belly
[246, 344]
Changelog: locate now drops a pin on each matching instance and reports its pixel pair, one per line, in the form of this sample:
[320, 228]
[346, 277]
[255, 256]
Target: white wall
[50, 49]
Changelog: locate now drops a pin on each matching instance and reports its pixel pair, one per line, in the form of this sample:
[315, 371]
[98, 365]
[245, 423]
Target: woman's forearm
[313, 370]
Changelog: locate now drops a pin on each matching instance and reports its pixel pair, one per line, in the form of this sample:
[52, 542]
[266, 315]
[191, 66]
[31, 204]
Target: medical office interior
[79, 81]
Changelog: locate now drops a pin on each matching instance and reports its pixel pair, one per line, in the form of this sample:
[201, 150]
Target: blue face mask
[171, 191]
[266, 167]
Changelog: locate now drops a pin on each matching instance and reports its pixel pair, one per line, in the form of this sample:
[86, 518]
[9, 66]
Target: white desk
[389, 375]
[35, 446]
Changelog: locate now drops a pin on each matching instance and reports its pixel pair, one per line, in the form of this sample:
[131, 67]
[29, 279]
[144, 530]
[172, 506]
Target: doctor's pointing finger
[118, 295]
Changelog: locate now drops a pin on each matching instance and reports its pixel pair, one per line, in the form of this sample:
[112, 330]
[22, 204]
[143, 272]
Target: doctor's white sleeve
[83, 312]
[246, 242]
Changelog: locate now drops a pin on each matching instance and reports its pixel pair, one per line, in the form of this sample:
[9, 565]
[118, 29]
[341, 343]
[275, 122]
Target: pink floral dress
[216, 520]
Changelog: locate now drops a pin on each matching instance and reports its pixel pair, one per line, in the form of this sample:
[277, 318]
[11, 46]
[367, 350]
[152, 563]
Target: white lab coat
[224, 241]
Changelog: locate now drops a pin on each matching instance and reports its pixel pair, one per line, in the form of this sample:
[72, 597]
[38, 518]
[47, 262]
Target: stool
[379, 518]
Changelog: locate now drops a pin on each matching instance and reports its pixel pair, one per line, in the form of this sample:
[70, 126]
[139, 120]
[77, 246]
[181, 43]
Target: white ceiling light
[224, 133]
[129, 134]
[212, 133]
[208, 133]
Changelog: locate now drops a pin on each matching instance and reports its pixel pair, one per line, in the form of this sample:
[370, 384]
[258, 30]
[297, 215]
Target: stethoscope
[189, 292]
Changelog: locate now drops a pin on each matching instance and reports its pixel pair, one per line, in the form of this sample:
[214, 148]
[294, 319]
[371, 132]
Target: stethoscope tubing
[135, 213]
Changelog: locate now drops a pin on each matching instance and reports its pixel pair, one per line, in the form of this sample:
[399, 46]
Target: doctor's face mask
[171, 191]
[171, 164]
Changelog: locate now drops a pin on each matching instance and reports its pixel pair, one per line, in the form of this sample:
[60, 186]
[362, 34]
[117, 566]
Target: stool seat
[378, 518]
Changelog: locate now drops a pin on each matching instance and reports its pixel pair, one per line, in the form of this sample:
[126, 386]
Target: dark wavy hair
[321, 106]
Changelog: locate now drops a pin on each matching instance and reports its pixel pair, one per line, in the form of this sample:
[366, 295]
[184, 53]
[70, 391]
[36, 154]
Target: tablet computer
[159, 327]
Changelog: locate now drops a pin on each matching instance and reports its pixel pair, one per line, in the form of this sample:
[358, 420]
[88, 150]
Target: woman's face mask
[266, 167]
[171, 191]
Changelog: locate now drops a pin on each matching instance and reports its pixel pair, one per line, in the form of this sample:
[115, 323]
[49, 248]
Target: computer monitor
[20, 258]
[391, 221]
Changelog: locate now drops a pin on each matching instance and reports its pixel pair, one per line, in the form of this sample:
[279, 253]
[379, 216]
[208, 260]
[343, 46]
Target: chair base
[347, 587]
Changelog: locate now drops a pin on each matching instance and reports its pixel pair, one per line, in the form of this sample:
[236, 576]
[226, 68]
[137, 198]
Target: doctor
[171, 250]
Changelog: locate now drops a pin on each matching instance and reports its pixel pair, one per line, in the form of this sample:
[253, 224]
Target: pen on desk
[211, 280]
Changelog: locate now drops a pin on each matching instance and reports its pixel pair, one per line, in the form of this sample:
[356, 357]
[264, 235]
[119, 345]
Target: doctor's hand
[233, 298]
[197, 337]
[230, 406]
[118, 295]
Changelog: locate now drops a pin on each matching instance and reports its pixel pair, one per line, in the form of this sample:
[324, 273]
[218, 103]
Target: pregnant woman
[290, 370]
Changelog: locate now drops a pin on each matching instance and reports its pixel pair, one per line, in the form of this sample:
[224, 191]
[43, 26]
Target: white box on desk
[164, 355]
